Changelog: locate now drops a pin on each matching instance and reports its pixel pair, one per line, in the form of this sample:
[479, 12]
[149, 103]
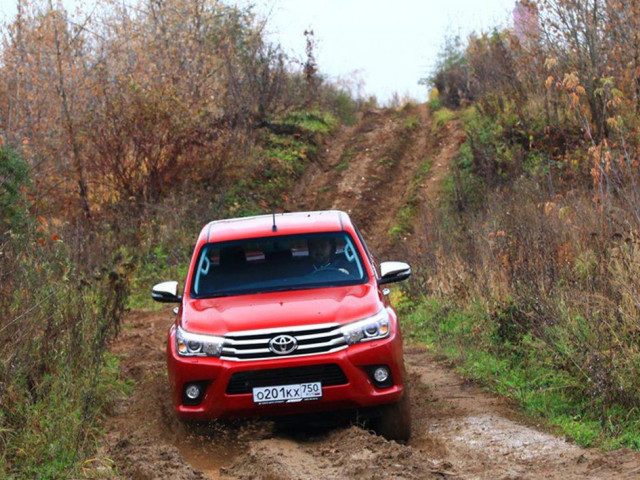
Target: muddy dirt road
[459, 430]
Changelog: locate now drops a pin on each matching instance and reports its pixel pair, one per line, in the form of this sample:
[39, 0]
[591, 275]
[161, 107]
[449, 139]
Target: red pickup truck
[286, 314]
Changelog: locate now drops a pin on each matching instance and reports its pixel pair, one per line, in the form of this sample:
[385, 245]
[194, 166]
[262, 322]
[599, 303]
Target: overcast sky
[387, 44]
[391, 44]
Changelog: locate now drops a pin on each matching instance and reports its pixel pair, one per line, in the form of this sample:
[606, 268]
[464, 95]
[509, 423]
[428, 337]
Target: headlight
[372, 328]
[196, 345]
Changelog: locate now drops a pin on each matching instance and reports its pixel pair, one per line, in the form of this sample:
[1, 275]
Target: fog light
[192, 392]
[381, 374]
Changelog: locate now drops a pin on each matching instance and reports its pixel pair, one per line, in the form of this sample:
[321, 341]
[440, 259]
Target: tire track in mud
[367, 170]
[145, 440]
[482, 435]
[459, 430]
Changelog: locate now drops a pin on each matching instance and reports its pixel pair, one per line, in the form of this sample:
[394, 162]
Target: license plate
[299, 392]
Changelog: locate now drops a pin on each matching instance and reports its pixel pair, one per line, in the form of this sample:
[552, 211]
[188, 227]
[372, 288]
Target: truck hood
[218, 316]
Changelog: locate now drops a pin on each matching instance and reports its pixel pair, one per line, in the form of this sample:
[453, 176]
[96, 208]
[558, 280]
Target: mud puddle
[205, 455]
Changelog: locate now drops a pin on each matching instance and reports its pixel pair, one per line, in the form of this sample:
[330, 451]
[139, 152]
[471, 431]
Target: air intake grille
[244, 382]
[311, 339]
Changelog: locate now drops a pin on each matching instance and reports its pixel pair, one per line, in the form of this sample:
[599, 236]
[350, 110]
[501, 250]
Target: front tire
[394, 422]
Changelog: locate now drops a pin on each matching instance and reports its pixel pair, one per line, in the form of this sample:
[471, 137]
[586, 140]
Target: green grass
[411, 122]
[58, 425]
[346, 157]
[441, 118]
[404, 220]
[434, 104]
[387, 162]
[522, 368]
[342, 166]
[314, 121]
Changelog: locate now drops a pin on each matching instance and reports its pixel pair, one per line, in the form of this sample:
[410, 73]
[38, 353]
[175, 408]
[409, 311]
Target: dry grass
[553, 267]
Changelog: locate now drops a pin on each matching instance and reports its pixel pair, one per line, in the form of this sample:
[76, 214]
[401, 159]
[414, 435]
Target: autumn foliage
[123, 102]
[544, 204]
[122, 126]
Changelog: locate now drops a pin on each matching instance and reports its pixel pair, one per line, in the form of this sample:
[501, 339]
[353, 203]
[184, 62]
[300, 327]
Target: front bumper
[357, 391]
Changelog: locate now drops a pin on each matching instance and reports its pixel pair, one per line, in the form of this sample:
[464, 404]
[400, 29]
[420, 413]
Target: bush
[14, 178]
[344, 107]
[434, 100]
[543, 306]
[59, 314]
[452, 75]
[539, 234]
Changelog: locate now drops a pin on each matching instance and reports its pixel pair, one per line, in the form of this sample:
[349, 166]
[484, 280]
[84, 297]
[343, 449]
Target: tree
[575, 33]
[451, 74]
[43, 96]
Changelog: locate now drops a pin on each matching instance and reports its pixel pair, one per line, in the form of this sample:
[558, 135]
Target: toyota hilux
[286, 314]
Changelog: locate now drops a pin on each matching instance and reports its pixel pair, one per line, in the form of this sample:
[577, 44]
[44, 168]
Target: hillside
[386, 171]
[514, 194]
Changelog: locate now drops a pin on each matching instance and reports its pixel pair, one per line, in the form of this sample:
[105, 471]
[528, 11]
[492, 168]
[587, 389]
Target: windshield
[287, 262]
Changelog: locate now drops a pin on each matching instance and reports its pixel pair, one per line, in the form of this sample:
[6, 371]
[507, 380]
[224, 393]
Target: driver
[322, 254]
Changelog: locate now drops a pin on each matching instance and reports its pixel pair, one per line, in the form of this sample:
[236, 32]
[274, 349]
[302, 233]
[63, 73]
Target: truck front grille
[244, 382]
[311, 340]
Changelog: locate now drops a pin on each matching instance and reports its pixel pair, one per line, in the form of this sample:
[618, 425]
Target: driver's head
[321, 250]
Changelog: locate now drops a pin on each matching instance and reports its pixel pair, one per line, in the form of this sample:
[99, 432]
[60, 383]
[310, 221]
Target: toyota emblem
[283, 344]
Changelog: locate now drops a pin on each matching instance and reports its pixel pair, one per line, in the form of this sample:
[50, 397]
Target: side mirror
[391, 272]
[166, 292]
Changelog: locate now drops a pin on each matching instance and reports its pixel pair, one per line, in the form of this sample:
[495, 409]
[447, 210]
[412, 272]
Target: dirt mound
[144, 458]
[351, 453]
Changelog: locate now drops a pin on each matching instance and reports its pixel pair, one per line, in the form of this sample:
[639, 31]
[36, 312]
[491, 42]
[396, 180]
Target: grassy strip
[407, 212]
[522, 368]
[441, 118]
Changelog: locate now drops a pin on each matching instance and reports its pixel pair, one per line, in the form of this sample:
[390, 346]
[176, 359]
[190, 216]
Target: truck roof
[286, 224]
